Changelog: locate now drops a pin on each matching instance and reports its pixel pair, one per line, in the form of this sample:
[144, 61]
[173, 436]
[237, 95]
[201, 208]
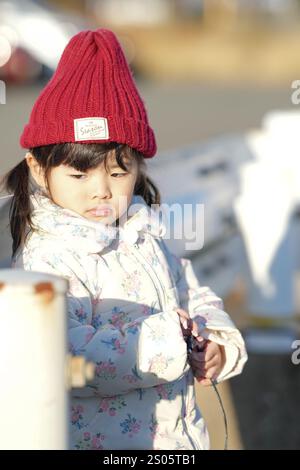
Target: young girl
[81, 209]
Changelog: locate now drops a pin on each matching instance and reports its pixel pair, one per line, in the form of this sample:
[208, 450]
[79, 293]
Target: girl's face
[97, 194]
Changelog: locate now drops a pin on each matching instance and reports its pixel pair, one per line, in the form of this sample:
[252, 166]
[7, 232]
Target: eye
[118, 175]
[78, 177]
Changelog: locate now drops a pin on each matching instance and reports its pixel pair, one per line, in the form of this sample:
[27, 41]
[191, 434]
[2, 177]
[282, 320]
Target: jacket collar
[89, 236]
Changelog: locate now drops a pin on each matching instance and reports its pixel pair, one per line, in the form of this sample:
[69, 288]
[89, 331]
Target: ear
[36, 170]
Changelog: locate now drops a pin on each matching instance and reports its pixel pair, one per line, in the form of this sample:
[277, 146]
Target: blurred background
[219, 79]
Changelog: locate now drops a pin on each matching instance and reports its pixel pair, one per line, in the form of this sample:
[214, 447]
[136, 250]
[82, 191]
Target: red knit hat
[91, 98]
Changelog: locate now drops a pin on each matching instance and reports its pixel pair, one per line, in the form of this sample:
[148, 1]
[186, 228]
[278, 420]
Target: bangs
[83, 157]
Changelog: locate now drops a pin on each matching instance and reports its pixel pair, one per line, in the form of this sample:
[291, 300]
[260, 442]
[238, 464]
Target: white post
[33, 360]
[5, 235]
[2, 92]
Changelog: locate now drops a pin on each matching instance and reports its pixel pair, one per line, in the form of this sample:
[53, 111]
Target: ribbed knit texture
[92, 80]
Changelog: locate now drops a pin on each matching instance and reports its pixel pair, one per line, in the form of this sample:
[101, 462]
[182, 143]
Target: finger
[204, 382]
[212, 373]
[205, 356]
[205, 370]
[182, 313]
[198, 371]
[210, 352]
[184, 324]
[184, 318]
[201, 373]
[193, 328]
[195, 331]
[214, 362]
[201, 344]
[199, 359]
[203, 365]
[197, 356]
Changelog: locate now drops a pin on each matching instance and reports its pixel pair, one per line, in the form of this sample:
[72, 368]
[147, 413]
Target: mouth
[100, 211]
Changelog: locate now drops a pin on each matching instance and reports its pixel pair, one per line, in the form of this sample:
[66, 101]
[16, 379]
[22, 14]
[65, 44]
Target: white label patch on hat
[93, 128]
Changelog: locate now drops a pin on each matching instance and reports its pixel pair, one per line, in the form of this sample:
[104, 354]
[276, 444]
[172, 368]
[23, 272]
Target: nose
[101, 188]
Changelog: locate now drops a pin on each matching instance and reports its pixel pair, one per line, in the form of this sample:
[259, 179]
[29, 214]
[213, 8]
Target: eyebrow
[111, 167]
[115, 165]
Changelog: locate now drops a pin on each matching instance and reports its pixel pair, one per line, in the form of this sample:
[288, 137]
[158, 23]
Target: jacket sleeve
[206, 309]
[139, 354]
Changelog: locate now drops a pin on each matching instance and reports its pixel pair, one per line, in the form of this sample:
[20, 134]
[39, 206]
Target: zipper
[139, 256]
[158, 285]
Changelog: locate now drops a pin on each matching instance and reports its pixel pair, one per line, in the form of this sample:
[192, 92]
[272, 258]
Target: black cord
[190, 340]
[214, 384]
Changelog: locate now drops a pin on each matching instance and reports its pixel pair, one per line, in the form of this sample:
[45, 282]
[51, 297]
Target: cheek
[130, 191]
[63, 189]
[125, 187]
[132, 183]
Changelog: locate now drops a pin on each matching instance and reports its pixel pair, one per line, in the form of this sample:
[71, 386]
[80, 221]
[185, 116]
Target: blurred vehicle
[275, 7]
[132, 12]
[32, 38]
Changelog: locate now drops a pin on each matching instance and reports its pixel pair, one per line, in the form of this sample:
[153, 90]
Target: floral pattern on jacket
[123, 287]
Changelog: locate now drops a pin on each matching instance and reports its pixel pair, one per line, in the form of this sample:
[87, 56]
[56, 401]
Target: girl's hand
[188, 326]
[207, 359]
[208, 363]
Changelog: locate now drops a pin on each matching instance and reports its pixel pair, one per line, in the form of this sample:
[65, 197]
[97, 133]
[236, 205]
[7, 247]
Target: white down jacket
[123, 287]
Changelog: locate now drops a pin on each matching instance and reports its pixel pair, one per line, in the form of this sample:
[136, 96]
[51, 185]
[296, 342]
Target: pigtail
[146, 188]
[16, 182]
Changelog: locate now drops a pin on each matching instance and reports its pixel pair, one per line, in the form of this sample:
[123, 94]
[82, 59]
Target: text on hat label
[91, 129]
